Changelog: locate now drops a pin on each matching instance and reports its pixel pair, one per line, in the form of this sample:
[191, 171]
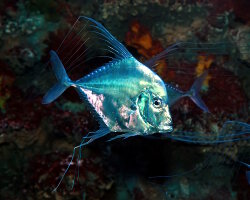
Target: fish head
[154, 110]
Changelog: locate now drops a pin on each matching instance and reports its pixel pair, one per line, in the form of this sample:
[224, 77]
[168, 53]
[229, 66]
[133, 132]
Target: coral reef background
[36, 141]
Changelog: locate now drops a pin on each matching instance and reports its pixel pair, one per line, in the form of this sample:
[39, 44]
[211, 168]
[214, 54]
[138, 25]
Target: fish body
[123, 93]
[115, 91]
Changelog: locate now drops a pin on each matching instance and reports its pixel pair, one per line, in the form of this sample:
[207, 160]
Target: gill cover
[151, 109]
[142, 103]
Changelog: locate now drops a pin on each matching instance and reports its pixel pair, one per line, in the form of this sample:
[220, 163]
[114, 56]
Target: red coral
[141, 39]
[48, 169]
[6, 80]
[240, 8]
[225, 93]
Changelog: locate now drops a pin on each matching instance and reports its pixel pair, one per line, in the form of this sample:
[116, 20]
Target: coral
[140, 38]
[93, 178]
[6, 81]
[22, 36]
[137, 188]
[204, 62]
[240, 8]
[229, 102]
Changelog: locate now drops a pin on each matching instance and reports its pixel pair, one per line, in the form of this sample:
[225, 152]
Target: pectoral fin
[124, 136]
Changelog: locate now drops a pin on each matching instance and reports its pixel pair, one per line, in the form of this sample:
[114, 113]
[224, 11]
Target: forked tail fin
[63, 80]
[193, 93]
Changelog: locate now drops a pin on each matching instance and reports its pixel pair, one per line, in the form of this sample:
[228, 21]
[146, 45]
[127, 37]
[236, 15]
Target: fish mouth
[166, 128]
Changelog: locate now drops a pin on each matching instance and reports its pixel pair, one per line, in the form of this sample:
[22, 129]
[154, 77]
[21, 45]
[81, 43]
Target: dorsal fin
[188, 49]
[162, 55]
[87, 37]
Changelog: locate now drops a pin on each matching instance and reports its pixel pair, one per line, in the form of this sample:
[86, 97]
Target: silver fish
[125, 95]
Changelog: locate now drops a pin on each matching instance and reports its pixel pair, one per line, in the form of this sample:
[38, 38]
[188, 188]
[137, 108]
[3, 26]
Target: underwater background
[36, 141]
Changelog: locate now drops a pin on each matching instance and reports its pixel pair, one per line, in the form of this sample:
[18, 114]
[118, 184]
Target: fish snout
[166, 126]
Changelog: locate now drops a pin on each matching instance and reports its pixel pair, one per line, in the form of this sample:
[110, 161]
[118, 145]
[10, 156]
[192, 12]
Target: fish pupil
[157, 102]
[133, 107]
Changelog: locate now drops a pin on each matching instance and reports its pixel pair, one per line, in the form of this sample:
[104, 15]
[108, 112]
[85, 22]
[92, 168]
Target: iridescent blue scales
[125, 95]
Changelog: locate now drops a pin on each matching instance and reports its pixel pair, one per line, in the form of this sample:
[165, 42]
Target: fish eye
[157, 102]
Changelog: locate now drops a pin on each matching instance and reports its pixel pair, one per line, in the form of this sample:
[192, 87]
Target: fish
[124, 95]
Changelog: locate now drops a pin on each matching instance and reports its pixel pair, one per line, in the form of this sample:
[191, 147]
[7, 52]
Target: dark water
[36, 141]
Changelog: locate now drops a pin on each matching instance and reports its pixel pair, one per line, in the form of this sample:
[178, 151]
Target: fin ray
[85, 35]
[231, 131]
